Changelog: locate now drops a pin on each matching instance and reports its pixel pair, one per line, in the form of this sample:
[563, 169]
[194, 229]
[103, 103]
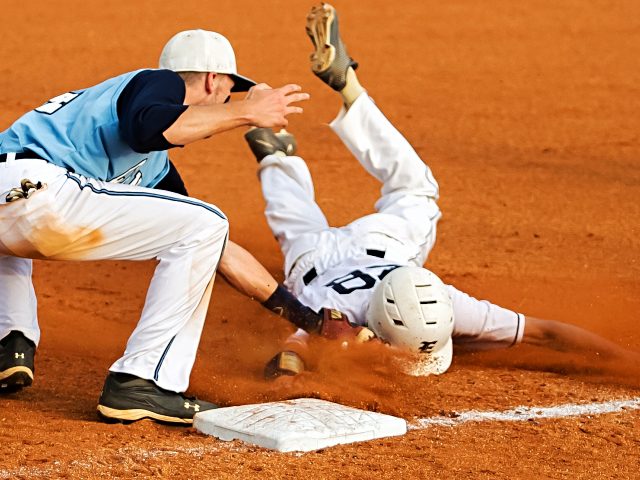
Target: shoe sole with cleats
[330, 60]
[113, 415]
[16, 378]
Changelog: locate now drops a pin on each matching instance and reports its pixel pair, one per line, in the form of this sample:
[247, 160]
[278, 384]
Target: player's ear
[209, 82]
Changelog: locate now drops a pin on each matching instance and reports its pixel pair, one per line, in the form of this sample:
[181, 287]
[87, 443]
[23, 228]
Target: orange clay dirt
[527, 113]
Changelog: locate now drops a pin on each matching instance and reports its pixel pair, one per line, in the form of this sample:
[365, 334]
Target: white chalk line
[524, 414]
[518, 414]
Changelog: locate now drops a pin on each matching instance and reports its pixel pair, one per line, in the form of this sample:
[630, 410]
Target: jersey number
[56, 103]
[359, 280]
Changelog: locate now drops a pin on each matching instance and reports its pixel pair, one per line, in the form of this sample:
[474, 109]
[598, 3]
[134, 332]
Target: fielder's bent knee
[216, 226]
[207, 228]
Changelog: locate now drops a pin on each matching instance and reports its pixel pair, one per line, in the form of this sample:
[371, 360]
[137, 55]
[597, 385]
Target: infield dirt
[527, 113]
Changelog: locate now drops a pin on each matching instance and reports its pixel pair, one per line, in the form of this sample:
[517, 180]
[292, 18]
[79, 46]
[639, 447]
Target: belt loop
[376, 253]
[11, 157]
[310, 276]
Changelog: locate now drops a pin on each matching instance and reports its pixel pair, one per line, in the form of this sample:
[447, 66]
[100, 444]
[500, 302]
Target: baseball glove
[25, 190]
[336, 326]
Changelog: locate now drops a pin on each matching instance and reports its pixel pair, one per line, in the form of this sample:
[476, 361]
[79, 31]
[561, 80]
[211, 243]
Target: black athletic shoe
[127, 398]
[16, 362]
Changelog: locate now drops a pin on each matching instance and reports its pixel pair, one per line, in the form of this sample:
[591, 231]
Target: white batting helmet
[411, 308]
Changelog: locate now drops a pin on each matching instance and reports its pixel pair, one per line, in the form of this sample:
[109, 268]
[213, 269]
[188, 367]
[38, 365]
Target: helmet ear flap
[411, 309]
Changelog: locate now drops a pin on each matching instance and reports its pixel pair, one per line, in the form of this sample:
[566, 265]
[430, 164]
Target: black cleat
[330, 60]
[16, 362]
[284, 363]
[127, 398]
[263, 142]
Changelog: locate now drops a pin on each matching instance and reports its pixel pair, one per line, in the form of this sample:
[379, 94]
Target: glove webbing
[25, 190]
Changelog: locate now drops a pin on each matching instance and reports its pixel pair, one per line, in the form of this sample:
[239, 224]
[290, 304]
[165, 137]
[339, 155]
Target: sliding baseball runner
[371, 269]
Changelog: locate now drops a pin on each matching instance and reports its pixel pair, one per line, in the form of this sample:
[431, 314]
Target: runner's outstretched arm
[565, 337]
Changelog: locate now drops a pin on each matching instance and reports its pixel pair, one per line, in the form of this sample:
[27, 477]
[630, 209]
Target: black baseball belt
[26, 154]
[310, 276]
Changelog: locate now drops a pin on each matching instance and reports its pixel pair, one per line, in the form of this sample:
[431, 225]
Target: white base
[302, 425]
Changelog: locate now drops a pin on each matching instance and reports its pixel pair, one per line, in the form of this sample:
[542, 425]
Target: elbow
[174, 136]
[171, 135]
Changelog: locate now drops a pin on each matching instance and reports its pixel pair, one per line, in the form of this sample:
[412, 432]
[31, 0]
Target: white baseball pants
[76, 218]
[407, 213]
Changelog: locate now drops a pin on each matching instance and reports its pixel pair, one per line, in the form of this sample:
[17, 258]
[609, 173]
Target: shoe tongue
[7, 339]
[16, 335]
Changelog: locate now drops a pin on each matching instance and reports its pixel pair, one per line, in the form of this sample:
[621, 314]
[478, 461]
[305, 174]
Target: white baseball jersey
[339, 267]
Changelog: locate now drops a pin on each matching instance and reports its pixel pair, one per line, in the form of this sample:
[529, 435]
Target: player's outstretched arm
[247, 275]
[262, 107]
[565, 337]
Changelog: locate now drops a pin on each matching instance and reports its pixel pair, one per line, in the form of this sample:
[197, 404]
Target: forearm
[199, 122]
[248, 276]
[245, 273]
[565, 337]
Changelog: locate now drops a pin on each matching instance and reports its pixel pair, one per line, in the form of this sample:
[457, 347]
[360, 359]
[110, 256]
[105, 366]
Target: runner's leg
[409, 190]
[291, 210]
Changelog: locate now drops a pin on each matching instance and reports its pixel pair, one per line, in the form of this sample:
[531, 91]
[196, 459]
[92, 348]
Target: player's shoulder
[152, 86]
[157, 77]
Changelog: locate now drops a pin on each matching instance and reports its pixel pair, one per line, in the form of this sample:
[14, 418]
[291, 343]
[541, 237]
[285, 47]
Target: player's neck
[195, 96]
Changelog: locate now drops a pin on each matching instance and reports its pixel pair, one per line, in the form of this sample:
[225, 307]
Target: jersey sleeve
[481, 325]
[150, 103]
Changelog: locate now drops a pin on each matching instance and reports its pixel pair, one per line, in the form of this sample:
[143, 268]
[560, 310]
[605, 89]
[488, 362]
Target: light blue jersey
[79, 131]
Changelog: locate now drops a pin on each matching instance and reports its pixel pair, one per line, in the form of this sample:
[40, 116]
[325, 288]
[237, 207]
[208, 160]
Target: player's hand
[336, 326]
[255, 88]
[269, 107]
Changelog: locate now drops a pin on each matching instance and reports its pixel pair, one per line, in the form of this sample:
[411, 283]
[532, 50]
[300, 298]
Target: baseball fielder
[371, 269]
[85, 176]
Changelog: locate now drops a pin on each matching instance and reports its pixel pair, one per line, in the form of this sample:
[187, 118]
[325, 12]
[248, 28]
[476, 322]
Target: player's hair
[191, 77]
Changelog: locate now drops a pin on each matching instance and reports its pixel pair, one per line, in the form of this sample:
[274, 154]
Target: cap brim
[435, 363]
[240, 83]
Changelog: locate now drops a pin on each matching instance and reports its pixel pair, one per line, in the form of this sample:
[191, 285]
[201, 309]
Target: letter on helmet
[411, 309]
